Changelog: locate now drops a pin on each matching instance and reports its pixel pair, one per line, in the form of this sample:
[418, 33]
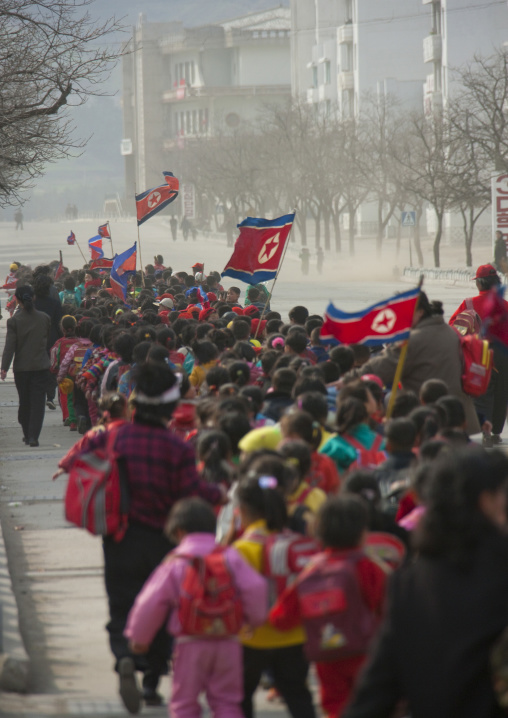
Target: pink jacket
[159, 597]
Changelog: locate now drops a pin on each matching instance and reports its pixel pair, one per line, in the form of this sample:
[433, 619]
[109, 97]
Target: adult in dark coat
[447, 609]
[26, 342]
[44, 302]
[434, 352]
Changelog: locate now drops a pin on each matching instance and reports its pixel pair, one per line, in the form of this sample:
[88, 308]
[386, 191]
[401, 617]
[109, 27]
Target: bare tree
[52, 55]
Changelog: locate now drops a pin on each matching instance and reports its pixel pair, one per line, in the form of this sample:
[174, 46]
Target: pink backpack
[336, 618]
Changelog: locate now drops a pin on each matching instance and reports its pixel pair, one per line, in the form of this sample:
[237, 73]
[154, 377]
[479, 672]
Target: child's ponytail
[263, 499]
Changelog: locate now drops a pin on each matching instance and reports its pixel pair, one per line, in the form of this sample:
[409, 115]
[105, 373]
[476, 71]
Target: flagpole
[77, 245]
[270, 294]
[111, 240]
[400, 364]
[139, 245]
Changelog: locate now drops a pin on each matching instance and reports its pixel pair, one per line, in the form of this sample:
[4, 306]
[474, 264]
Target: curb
[14, 661]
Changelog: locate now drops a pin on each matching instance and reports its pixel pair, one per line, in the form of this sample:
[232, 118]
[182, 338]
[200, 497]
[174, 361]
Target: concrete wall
[267, 64]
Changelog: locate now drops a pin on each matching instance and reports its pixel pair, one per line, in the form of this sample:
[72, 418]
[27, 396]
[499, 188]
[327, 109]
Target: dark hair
[454, 524]
[297, 342]
[205, 351]
[315, 403]
[283, 380]
[216, 377]
[343, 356]
[140, 352]
[25, 296]
[404, 403]
[454, 410]
[350, 413]
[361, 354]
[235, 424]
[124, 345]
[426, 423]
[191, 516]
[401, 433]
[341, 522]
[68, 324]
[245, 351]
[241, 329]
[263, 503]
[308, 383]
[152, 380]
[299, 315]
[214, 449]
[42, 284]
[301, 424]
[239, 373]
[157, 354]
[300, 452]
[115, 404]
[486, 283]
[331, 371]
[432, 390]
[429, 309]
[69, 283]
[355, 389]
[254, 396]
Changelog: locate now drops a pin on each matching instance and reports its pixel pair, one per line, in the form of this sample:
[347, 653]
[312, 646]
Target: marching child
[207, 657]
[338, 635]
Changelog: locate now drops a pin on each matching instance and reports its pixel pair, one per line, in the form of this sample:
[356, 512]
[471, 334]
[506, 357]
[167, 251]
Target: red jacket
[478, 304]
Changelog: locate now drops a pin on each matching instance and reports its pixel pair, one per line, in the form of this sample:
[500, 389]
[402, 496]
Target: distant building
[341, 49]
[180, 83]
[458, 30]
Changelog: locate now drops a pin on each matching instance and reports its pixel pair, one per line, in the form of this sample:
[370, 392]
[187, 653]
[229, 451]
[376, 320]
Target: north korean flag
[95, 244]
[383, 323]
[103, 263]
[71, 239]
[104, 231]
[124, 266]
[259, 249]
[153, 200]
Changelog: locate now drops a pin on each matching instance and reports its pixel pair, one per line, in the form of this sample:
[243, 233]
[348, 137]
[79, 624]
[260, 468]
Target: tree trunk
[326, 221]
[417, 243]
[399, 237]
[352, 215]
[336, 229]
[301, 221]
[317, 225]
[380, 228]
[437, 239]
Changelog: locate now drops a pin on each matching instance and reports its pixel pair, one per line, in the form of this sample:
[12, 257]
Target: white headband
[167, 397]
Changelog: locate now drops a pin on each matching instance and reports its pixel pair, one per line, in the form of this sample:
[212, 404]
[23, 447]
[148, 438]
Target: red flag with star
[259, 248]
[383, 323]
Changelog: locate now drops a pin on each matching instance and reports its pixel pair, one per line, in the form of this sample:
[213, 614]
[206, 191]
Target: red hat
[205, 313]
[212, 297]
[374, 378]
[198, 265]
[251, 311]
[254, 326]
[166, 295]
[193, 309]
[237, 310]
[484, 271]
[185, 315]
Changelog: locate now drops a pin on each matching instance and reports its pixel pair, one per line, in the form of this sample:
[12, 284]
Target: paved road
[57, 570]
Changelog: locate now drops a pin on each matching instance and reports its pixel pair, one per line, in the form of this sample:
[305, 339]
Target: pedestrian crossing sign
[408, 219]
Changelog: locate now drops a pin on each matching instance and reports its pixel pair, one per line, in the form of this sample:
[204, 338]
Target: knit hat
[251, 311]
[14, 267]
[205, 313]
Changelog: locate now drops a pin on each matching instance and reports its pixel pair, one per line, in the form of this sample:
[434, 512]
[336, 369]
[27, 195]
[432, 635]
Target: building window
[328, 74]
[349, 12]
[205, 119]
[182, 123]
[314, 76]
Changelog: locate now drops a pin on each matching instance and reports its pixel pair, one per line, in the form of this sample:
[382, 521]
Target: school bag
[477, 365]
[210, 604]
[69, 297]
[297, 511]
[468, 322]
[366, 458]
[77, 359]
[285, 555]
[337, 621]
[96, 498]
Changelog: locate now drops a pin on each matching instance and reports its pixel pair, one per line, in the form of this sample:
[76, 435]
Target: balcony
[345, 34]
[346, 80]
[432, 48]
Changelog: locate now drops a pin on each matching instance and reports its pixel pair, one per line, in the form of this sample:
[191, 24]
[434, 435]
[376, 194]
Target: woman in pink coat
[212, 665]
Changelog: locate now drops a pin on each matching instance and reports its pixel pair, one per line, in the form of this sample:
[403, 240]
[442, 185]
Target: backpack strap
[354, 443]
[301, 499]
[469, 304]
[376, 446]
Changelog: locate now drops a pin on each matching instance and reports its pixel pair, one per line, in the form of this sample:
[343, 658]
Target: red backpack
[478, 362]
[285, 555]
[468, 322]
[210, 605]
[366, 458]
[96, 498]
[338, 623]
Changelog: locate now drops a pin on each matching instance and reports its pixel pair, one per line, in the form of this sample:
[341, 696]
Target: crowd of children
[318, 497]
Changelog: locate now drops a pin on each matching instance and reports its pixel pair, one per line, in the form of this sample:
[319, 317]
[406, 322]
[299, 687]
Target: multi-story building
[180, 83]
[458, 30]
[342, 49]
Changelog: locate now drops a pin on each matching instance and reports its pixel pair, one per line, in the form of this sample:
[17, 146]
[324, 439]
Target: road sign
[408, 219]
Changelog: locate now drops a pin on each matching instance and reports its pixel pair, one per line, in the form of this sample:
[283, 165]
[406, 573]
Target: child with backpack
[302, 500]
[339, 598]
[58, 353]
[205, 620]
[263, 516]
[70, 295]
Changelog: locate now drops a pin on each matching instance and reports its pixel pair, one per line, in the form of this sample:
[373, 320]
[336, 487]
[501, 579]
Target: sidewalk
[57, 577]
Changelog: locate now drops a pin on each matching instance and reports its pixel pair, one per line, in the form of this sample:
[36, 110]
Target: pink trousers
[212, 667]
